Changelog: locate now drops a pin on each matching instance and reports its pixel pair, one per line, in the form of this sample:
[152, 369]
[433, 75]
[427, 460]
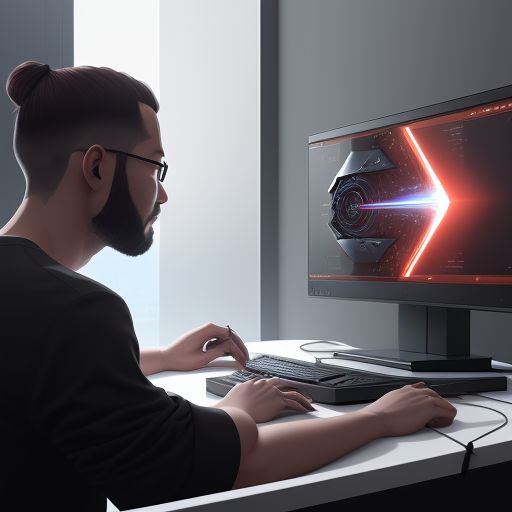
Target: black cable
[469, 447]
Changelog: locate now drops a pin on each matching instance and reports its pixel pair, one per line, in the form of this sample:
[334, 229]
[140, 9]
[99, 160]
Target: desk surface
[380, 465]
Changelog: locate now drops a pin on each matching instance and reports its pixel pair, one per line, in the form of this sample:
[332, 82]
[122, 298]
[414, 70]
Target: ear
[96, 165]
[98, 172]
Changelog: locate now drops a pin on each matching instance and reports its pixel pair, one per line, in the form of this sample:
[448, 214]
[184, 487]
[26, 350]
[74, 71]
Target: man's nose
[162, 194]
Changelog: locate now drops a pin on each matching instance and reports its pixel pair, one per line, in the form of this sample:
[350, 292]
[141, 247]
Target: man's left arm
[195, 349]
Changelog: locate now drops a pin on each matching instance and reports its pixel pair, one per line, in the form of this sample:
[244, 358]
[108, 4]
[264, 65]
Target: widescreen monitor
[415, 208]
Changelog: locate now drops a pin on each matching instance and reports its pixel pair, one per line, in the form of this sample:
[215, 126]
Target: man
[80, 420]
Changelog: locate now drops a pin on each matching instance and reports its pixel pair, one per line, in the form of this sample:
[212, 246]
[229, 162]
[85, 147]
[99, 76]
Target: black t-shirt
[79, 421]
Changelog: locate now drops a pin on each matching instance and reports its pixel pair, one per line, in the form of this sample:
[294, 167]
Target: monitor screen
[414, 208]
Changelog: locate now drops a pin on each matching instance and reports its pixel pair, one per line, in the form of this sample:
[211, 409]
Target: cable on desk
[328, 342]
[470, 446]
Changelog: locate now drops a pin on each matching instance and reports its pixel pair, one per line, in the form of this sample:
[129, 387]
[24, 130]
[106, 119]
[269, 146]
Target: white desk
[383, 464]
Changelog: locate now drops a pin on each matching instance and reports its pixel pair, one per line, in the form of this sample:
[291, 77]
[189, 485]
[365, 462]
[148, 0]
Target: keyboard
[331, 384]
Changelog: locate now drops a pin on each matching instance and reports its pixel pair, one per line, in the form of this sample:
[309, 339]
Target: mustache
[155, 212]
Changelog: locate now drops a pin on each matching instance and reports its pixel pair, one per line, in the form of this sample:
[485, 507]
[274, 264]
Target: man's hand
[265, 399]
[186, 353]
[407, 409]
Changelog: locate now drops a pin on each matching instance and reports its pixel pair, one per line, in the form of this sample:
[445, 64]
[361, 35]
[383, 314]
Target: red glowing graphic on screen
[441, 202]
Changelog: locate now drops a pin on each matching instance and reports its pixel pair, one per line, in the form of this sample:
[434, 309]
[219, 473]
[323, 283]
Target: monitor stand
[431, 339]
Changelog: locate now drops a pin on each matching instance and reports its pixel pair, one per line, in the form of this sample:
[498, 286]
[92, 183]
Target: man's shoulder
[24, 266]
[75, 281]
[38, 287]
[74, 293]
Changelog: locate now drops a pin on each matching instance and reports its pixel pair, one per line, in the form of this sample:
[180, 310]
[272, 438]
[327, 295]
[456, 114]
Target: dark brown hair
[62, 110]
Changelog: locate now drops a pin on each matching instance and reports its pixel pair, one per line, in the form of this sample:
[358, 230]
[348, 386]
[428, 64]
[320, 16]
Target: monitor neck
[434, 330]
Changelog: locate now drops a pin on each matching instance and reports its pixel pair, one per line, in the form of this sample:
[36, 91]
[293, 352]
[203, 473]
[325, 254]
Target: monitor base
[419, 361]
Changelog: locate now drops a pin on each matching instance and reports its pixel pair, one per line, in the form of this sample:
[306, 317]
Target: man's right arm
[286, 450]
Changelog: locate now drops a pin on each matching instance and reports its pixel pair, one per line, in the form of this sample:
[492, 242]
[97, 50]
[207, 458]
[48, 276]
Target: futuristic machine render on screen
[415, 208]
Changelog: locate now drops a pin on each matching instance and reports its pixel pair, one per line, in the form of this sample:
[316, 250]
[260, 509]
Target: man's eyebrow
[158, 152]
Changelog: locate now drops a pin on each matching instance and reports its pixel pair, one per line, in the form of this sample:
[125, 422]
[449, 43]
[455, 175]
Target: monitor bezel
[490, 297]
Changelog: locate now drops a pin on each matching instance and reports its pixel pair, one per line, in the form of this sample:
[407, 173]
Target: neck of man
[61, 231]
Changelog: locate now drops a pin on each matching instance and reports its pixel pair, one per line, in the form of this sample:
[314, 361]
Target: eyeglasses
[162, 166]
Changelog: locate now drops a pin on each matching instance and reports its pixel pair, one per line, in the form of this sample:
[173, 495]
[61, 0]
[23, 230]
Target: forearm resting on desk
[285, 450]
[279, 451]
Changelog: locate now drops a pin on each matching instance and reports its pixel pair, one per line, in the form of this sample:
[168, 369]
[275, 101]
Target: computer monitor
[416, 208]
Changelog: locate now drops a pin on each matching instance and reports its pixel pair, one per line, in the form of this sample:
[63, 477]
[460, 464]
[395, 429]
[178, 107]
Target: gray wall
[346, 61]
[39, 30]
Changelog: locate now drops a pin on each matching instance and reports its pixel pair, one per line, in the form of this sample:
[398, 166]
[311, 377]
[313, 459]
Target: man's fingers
[242, 346]
[293, 405]
[446, 407]
[210, 330]
[440, 422]
[300, 398]
[443, 414]
[227, 347]
[275, 381]
[236, 352]
[287, 393]
[222, 334]
[285, 387]
[439, 400]
[443, 411]
[234, 336]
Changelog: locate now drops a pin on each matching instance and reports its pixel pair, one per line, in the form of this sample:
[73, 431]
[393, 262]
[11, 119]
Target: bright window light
[124, 35]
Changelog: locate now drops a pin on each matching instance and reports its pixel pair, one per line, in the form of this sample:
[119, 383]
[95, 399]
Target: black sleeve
[131, 440]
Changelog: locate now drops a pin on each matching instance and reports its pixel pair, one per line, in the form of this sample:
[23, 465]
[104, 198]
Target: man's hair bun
[23, 80]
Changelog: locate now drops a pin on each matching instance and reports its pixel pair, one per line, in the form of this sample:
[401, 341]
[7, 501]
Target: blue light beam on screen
[407, 202]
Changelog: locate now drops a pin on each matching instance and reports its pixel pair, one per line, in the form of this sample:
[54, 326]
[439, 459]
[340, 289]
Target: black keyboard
[331, 384]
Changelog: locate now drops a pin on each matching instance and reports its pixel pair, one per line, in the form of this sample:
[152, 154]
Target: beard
[119, 224]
